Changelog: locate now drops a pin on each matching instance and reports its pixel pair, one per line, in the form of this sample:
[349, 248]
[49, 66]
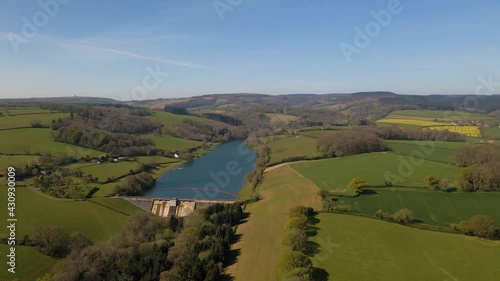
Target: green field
[168, 119]
[16, 161]
[30, 264]
[362, 249]
[398, 125]
[430, 207]
[296, 146]
[331, 174]
[260, 247]
[22, 111]
[442, 115]
[491, 133]
[438, 151]
[281, 118]
[106, 170]
[170, 143]
[34, 141]
[155, 159]
[319, 133]
[410, 122]
[166, 164]
[95, 221]
[24, 121]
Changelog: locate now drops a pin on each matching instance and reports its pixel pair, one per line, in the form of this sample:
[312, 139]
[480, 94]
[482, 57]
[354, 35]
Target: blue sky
[107, 48]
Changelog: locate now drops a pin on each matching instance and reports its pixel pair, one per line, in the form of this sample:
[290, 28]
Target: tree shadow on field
[312, 248]
[227, 277]
[312, 230]
[417, 221]
[319, 274]
[233, 255]
[244, 218]
[368, 192]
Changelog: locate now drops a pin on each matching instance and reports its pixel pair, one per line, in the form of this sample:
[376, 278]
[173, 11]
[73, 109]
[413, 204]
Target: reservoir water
[219, 174]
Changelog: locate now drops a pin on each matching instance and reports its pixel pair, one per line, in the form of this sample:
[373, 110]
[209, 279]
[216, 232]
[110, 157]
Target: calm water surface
[219, 174]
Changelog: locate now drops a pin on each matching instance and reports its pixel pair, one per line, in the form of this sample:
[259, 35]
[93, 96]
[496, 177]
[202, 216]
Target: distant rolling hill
[91, 100]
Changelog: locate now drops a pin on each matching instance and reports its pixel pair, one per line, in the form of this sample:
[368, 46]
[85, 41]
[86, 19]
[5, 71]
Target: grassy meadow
[35, 141]
[430, 207]
[168, 119]
[97, 222]
[106, 170]
[170, 143]
[332, 174]
[281, 118]
[446, 116]
[25, 120]
[165, 164]
[16, 161]
[11, 111]
[30, 264]
[362, 249]
[441, 151]
[260, 246]
[293, 146]
[491, 133]
[319, 133]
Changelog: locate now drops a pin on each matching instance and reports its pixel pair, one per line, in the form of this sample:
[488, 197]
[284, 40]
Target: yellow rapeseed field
[470, 131]
[421, 123]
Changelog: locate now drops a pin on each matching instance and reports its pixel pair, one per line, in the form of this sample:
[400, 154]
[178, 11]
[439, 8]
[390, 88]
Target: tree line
[155, 248]
[349, 142]
[135, 185]
[482, 167]
[222, 118]
[295, 262]
[200, 131]
[112, 143]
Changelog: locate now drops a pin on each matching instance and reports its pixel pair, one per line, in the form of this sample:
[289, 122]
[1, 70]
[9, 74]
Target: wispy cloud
[159, 60]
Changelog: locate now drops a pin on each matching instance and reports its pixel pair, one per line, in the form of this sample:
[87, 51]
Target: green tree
[467, 178]
[297, 223]
[483, 226]
[358, 184]
[294, 259]
[301, 210]
[403, 216]
[296, 239]
[323, 194]
[51, 240]
[432, 182]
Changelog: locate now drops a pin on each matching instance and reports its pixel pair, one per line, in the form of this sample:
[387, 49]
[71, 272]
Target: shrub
[479, 225]
[403, 216]
[432, 181]
[382, 215]
[300, 210]
[343, 208]
[358, 184]
[446, 186]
